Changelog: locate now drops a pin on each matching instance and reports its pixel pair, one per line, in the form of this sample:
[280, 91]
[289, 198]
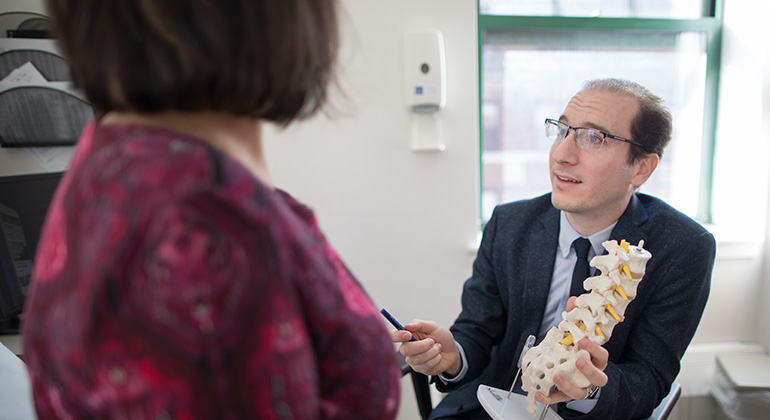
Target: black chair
[421, 387]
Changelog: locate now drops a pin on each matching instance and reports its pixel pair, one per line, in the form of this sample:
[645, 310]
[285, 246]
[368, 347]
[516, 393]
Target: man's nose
[567, 149]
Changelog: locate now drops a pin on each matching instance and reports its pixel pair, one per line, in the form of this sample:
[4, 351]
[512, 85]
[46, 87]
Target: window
[679, 9]
[531, 66]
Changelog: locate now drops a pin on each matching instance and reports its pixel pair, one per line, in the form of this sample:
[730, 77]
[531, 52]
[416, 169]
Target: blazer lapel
[540, 261]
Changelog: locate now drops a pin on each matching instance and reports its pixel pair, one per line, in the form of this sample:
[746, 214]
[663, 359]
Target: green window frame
[710, 25]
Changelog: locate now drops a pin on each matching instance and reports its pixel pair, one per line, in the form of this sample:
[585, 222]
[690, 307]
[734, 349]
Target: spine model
[595, 316]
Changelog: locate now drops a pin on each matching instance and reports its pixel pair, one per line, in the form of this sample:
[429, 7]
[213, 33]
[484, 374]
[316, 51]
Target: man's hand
[593, 371]
[435, 350]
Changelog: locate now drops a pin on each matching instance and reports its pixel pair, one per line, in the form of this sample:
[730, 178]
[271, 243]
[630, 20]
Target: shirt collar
[568, 234]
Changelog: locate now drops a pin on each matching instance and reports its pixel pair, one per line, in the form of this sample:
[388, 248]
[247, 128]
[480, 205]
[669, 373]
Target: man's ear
[645, 166]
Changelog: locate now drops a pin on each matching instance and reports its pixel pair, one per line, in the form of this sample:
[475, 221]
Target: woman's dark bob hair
[270, 59]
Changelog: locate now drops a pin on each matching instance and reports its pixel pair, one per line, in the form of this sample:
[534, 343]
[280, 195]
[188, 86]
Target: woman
[173, 280]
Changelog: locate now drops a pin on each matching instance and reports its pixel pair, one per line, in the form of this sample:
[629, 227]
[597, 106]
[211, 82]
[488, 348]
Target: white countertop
[15, 391]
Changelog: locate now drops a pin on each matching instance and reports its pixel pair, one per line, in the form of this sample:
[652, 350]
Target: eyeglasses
[587, 138]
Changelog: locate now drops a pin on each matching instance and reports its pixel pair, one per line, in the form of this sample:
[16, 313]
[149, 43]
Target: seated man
[606, 144]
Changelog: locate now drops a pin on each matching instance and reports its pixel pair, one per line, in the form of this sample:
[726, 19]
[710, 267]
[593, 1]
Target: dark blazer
[504, 300]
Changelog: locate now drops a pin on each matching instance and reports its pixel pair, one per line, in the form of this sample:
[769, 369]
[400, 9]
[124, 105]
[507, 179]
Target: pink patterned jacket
[170, 283]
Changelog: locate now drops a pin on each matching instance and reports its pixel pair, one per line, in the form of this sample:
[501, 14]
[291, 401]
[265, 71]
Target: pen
[393, 321]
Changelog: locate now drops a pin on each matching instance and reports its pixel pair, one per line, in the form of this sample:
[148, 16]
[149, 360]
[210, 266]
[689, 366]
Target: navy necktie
[581, 271]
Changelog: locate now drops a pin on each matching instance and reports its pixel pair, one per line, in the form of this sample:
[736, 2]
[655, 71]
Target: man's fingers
[596, 376]
[571, 303]
[421, 326]
[428, 364]
[418, 329]
[572, 391]
[423, 356]
[556, 396]
[565, 391]
[418, 351]
[599, 355]
[435, 350]
[400, 336]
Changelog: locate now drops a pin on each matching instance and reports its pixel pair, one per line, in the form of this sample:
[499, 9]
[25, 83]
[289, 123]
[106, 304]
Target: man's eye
[595, 138]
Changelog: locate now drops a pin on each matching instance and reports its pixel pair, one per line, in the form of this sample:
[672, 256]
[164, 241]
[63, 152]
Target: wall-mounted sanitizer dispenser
[424, 70]
[425, 86]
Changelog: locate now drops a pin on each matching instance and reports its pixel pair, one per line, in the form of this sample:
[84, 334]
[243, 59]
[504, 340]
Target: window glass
[674, 9]
[530, 75]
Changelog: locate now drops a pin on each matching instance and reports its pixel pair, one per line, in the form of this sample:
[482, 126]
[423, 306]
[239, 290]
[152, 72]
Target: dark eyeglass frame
[561, 124]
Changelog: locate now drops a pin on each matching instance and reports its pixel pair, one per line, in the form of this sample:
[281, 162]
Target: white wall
[404, 221]
[35, 6]
[763, 320]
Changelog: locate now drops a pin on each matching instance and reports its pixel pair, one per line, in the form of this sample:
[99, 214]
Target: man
[606, 144]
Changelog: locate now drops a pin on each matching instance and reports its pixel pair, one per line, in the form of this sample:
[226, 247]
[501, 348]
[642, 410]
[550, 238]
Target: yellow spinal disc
[619, 289]
[625, 270]
[612, 312]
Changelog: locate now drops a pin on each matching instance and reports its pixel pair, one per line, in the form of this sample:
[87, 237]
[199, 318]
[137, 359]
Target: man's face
[595, 184]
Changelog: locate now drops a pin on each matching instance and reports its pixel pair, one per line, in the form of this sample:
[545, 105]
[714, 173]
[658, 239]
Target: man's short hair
[652, 125]
[269, 59]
